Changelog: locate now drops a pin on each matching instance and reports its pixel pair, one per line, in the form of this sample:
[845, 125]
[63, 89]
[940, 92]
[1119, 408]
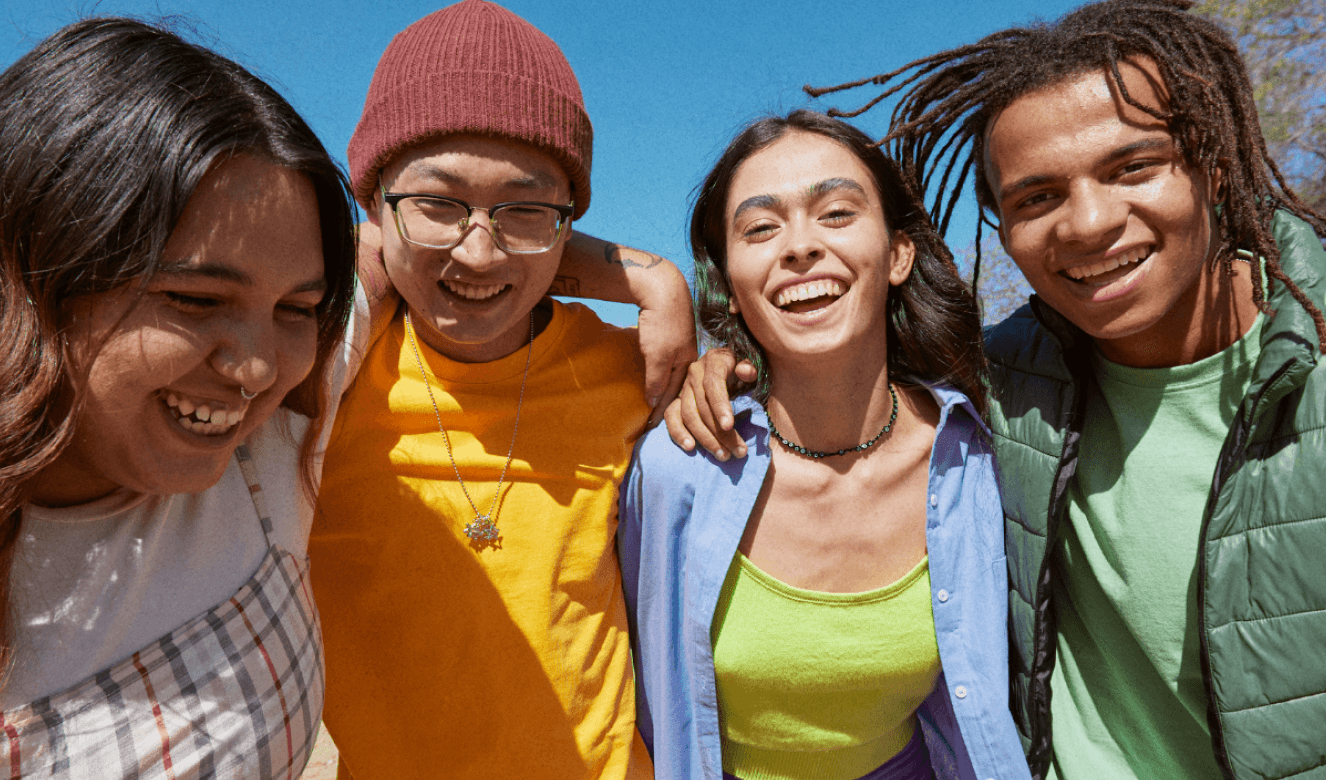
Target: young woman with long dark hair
[833, 605]
[176, 273]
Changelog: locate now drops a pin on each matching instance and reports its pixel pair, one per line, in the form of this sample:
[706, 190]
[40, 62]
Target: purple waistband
[910, 763]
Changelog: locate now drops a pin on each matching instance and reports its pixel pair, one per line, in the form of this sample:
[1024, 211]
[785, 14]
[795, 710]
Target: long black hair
[949, 99]
[106, 129]
[933, 331]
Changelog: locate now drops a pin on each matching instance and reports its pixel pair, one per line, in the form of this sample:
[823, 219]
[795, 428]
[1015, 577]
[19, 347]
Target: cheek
[1025, 249]
[299, 351]
[744, 277]
[137, 362]
[541, 270]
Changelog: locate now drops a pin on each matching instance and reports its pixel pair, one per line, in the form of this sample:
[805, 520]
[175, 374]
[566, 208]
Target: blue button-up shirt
[682, 516]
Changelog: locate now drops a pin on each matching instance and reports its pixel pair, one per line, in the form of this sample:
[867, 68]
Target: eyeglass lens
[441, 223]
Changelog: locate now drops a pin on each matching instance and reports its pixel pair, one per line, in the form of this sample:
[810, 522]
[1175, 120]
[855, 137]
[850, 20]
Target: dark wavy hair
[106, 129]
[934, 326]
[938, 127]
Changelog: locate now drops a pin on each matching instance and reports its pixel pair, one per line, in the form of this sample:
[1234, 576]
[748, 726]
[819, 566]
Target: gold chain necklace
[483, 529]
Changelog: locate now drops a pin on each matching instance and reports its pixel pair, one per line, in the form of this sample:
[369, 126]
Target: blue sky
[666, 84]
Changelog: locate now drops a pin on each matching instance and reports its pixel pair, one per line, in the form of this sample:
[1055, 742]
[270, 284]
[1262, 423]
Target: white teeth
[203, 419]
[807, 291]
[474, 292]
[1080, 272]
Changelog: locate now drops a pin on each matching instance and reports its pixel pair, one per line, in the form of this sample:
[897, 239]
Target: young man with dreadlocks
[1159, 409]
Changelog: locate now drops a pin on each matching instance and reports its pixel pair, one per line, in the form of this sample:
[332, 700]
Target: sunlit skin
[804, 214]
[805, 210]
[1084, 181]
[233, 306]
[481, 172]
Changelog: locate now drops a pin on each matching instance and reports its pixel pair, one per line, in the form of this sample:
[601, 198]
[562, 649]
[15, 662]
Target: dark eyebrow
[205, 270]
[227, 273]
[818, 188]
[1155, 143]
[757, 202]
[312, 285]
[836, 183]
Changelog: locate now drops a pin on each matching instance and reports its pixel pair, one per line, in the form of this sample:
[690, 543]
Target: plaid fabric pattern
[234, 693]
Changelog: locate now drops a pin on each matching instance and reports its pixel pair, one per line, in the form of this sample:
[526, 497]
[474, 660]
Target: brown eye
[192, 303]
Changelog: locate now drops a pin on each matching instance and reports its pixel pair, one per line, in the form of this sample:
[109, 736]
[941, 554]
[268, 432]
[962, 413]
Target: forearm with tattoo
[613, 254]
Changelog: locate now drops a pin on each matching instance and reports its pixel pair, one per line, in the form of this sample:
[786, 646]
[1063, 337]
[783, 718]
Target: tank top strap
[250, 472]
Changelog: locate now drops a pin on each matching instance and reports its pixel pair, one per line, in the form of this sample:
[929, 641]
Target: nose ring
[246, 395]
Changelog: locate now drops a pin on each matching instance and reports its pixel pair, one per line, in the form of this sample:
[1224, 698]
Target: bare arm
[382, 296]
[593, 268]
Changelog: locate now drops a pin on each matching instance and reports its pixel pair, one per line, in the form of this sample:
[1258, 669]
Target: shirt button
[942, 595]
[934, 500]
[960, 692]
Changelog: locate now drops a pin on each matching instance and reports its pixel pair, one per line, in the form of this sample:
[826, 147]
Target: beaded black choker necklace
[817, 454]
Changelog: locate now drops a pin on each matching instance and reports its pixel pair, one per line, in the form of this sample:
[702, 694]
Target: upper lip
[1091, 266]
[782, 289]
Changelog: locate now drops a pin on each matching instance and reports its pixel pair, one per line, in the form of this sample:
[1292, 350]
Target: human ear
[732, 307]
[1216, 179]
[902, 255]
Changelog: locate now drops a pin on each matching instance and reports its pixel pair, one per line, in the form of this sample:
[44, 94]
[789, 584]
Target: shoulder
[1293, 235]
[1019, 341]
[1302, 255]
[583, 330]
[659, 460]
[957, 414]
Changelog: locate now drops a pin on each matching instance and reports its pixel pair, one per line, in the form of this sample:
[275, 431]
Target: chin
[193, 480]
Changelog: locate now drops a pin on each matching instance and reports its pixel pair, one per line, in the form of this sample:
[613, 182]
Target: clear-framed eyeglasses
[437, 222]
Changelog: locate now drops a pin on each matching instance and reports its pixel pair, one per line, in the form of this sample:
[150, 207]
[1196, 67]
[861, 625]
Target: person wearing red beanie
[463, 547]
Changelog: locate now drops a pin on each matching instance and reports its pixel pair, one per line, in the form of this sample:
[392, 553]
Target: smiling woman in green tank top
[788, 626]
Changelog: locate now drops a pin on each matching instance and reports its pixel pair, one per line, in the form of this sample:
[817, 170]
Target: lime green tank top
[819, 686]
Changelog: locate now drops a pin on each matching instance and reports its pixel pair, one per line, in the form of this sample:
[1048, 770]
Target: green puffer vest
[1261, 588]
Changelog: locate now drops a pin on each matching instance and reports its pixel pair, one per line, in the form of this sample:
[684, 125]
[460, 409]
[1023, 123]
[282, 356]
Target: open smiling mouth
[1110, 270]
[809, 296]
[472, 293]
[200, 417]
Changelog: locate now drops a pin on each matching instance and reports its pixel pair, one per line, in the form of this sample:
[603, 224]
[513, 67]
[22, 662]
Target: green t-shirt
[1127, 693]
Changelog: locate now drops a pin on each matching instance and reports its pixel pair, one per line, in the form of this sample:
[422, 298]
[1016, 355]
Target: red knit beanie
[473, 67]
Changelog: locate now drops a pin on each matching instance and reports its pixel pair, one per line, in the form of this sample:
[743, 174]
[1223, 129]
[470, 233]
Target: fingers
[715, 374]
[745, 371]
[664, 400]
[676, 428]
[692, 419]
[698, 422]
[713, 390]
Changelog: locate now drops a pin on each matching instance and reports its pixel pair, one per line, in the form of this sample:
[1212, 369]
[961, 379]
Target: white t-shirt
[94, 583]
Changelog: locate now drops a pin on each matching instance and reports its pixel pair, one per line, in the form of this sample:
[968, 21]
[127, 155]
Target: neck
[485, 352]
[1217, 314]
[828, 409]
[64, 484]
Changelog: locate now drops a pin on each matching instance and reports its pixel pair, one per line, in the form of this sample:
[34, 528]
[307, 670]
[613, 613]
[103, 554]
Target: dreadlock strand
[946, 101]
